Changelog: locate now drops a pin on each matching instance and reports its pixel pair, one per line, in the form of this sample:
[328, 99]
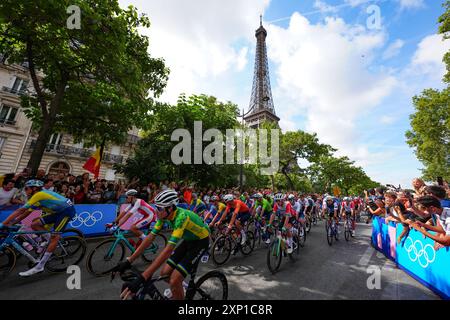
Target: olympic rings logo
[417, 252]
[86, 219]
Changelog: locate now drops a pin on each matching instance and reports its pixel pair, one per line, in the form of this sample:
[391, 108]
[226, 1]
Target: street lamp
[241, 169]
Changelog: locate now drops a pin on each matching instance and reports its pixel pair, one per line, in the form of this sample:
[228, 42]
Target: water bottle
[168, 293]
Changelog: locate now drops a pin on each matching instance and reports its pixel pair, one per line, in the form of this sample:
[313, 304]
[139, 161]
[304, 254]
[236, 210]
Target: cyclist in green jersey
[187, 226]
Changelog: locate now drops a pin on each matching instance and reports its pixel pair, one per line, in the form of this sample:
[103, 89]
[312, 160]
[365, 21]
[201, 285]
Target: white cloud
[411, 4]
[393, 49]
[324, 7]
[322, 72]
[387, 120]
[197, 40]
[428, 57]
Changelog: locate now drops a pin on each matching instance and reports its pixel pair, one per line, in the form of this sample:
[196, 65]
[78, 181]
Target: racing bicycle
[69, 251]
[110, 252]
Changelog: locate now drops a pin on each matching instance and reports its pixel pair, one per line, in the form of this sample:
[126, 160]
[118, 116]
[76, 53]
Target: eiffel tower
[261, 102]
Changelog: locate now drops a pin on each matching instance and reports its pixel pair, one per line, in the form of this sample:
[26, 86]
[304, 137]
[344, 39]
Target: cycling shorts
[60, 219]
[187, 255]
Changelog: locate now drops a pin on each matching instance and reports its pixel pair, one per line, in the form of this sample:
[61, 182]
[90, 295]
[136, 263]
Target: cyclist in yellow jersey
[219, 208]
[187, 226]
[57, 211]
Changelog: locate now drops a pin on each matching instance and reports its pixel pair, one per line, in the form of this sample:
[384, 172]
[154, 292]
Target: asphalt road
[320, 272]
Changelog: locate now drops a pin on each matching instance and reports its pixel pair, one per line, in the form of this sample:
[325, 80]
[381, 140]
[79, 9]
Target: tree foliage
[430, 132]
[95, 82]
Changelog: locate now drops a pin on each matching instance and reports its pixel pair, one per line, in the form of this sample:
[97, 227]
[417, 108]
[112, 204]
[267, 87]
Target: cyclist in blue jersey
[57, 211]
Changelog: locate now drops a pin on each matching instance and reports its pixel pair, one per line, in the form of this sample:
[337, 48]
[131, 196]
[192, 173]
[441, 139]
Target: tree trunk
[290, 183]
[39, 148]
[47, 126]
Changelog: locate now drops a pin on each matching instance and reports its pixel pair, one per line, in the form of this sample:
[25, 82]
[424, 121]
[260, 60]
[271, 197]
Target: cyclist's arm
[17, 216]
[224, 214]
[235, 213]
[144, 245]
[159, 261]
[127, 214]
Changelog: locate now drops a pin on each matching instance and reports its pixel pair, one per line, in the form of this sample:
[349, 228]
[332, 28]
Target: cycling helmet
[214, 198]
[257, 195]
[291, 197]
[34, 183]
[279, 196]
[328, 198]
[131, 192]
[228, 197]
[166, 198]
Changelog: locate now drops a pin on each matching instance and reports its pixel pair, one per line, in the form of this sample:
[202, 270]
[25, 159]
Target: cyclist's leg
[185, 261]
[136, 228]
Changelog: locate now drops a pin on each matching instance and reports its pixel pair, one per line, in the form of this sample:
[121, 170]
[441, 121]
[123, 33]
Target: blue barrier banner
[384, 237]
[89, 219]
[418, 256]
[415, 254]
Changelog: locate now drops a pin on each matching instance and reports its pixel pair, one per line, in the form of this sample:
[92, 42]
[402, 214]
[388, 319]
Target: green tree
[296, 145]
[152, 159]
[93, 82]
[430, 132]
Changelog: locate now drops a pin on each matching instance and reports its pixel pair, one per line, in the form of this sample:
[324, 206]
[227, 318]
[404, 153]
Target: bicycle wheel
[336, 232]
[346, 231]
[308, 225]
[274, 256]
[249, 245]
[70, 251]
[301, 236]
[158, 244]
[221, 250]
[329, 234]
[8, 260]
[72, 232]
[211, 286]
[104, 257]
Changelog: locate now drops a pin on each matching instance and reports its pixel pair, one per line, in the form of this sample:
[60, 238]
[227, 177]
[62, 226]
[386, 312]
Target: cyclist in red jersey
[241, 213]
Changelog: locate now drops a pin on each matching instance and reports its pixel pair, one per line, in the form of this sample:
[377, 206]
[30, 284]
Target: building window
[8, 114]
[58, 168]
[2, 143]
[115, 150]
[55, 141]
[19, 86]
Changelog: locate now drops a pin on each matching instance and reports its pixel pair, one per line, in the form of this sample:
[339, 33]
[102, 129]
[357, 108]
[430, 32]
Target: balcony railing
[14, 91]
[133, 138]
[59, 149]
[8, 122]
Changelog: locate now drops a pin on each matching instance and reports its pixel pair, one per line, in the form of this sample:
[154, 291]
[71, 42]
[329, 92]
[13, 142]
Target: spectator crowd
[424, 208]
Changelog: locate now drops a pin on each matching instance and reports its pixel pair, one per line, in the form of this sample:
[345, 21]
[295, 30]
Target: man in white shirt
[7, 193]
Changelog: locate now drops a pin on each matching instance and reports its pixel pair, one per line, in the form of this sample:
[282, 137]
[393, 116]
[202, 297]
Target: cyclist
[347, 210]
[285, 211]
[182, 259]
[57, 211]
[197, 205]
[240, 215]
[216, 210]
[262, 210]
[135, 205]
[331, 209]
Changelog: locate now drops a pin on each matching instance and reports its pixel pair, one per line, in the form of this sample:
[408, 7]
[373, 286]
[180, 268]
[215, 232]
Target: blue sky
[331, 73]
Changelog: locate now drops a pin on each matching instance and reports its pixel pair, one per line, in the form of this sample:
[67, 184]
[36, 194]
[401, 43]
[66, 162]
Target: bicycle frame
[120, 237]
[10, 241]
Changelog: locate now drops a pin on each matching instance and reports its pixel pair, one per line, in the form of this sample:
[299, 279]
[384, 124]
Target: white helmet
[328, 198]
[166, 198]
[257, 195]
[131, 192]
[279, 196]
[291, 197]
[228, 197]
